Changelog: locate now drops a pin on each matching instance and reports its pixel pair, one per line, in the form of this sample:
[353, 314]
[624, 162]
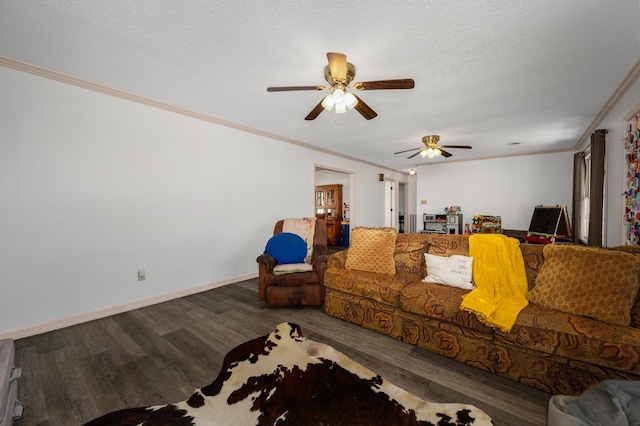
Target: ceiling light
[328, 102]
[350, 100]
[431, 152]
[338, 96]
[412, 172]
[341, 99]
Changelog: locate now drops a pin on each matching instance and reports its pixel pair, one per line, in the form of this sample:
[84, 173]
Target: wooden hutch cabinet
[329, 204]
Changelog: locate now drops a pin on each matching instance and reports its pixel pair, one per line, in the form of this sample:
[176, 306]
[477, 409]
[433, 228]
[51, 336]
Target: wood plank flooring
[161, 353]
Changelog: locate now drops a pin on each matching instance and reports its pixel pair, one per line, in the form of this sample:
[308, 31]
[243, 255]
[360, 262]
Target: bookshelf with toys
[484, 224]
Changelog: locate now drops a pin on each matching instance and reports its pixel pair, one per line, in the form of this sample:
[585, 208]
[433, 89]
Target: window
[585, 199]
[588, 192]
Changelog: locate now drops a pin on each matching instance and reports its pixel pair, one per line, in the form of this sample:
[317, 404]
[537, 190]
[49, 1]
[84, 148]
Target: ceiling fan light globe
[350, 100]
[423, 153]
[328, 102]
[338, 96]
[341, 108]
[437, 152]
[430, 152]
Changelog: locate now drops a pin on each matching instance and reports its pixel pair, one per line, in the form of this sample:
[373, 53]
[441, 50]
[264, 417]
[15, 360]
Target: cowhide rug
[286, 379]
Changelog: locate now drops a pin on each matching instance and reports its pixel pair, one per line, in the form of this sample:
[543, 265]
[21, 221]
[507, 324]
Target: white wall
[507, 187]
[94, 187]
[614, 152]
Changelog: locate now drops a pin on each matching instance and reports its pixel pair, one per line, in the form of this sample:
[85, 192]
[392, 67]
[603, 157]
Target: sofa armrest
[338, 260]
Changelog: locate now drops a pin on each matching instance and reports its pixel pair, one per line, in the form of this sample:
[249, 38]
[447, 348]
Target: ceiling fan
[339, 74]
[431, 148]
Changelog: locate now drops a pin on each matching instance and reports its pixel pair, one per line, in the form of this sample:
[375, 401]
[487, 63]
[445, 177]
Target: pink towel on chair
[305, 228]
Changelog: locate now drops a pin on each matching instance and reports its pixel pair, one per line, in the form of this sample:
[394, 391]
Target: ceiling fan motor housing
[351, 73]
[430, 139]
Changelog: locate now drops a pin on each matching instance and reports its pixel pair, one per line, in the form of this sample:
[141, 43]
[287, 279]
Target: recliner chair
[295, 288]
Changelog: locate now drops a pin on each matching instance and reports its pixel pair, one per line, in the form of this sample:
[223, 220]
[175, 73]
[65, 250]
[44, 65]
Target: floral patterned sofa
[555, 351]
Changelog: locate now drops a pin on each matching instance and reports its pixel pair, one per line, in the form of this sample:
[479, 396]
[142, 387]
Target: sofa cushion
[627, 248]
[635, 313]
[440, 302]
[454, 271]
[291, 268]
[409, 253]
[578, 338]
[635, 310]
[597, 283]
[448, 244]
[371, 250]
[378, 287]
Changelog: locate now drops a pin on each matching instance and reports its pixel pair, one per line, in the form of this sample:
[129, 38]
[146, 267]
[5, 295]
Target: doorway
[402, 207]
[324, 175]
[389, 204]
[395, 205]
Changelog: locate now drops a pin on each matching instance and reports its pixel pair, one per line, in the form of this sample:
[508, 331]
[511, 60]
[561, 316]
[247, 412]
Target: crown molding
[67, 79]
[63, 78]
[622, 90]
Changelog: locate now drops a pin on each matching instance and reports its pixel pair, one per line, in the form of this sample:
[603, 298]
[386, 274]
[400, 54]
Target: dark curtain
[597, 187]
[579, 167]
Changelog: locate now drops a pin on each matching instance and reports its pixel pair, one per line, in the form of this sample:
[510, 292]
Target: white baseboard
[44, 327]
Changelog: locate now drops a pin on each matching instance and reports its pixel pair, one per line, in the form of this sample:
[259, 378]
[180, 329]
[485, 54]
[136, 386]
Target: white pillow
[454, 271]
[288, 268]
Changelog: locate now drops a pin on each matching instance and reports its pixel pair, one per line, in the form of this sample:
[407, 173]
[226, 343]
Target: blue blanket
[610, 403]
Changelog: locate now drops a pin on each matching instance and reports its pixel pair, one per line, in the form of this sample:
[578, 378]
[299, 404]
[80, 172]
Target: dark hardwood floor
[161, 353]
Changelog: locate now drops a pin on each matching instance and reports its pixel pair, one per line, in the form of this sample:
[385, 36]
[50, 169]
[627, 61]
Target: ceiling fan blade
[413, 155]
[290, 88]
[406, 150]
[315, 112]
[364, 109]
[444, 153]
[338, 66]
[456, 146]
[403, 83]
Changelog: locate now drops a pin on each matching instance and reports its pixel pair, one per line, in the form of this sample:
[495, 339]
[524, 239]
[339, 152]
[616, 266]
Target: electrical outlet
[142, 274]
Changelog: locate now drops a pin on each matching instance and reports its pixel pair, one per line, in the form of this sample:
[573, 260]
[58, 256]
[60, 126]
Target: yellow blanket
[500, 280]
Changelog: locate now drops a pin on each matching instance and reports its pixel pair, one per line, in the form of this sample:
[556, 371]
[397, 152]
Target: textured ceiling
[487, 73]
